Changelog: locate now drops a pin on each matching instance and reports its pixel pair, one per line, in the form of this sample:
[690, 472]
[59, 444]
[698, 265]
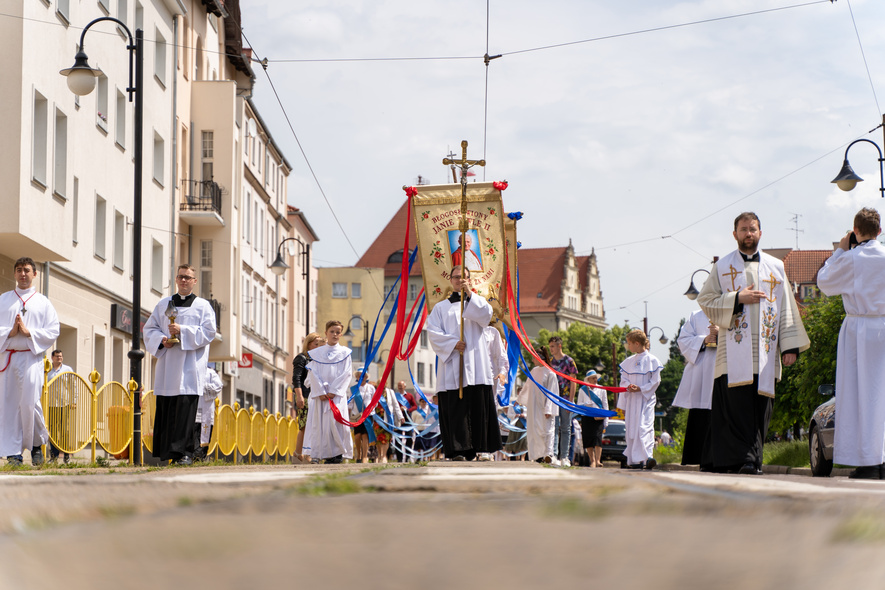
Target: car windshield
[615, 428]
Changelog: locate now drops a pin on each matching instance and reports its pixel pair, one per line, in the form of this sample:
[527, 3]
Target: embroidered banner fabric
[436, 211]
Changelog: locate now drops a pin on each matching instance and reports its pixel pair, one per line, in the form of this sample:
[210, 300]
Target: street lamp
[692, 293]
[663, 339]
[279, 266]
[81, 81]
[349, 334]
[847, 179]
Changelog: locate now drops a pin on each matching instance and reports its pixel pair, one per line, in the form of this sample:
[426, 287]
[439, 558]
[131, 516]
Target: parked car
[614, 442]
[820, 434]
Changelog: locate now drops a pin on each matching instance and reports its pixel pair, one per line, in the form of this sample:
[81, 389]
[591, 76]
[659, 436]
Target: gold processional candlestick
[172, 313]
[465, 165]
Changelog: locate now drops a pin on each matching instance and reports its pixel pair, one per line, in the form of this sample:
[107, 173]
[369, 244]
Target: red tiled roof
[802, 266]
[390, 240]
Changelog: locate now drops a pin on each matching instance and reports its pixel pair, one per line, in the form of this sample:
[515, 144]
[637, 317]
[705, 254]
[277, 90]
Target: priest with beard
[469, 424]
[182, 367]
[749, 297]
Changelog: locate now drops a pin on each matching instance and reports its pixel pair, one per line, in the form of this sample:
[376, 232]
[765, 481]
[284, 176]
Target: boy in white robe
[330, 370]
[181, 372]
[28, 327]
[858, 275]
[641, 375]
[206, 410]
[540, 410]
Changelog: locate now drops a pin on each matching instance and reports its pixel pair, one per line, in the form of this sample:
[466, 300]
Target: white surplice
[859, 276]
[444, 331]
[498, 357]
[182, 369]
[644, 370]
[330, 371]
[365, 393]
[539, 428]
[21, 416]
[696, 387]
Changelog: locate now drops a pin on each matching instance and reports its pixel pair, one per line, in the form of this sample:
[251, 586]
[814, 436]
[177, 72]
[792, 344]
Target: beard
[748, 245]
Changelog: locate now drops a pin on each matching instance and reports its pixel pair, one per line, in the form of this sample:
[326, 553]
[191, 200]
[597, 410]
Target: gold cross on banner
[733, 274]
[773, 282]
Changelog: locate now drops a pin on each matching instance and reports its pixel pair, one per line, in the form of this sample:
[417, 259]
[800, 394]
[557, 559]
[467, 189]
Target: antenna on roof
[796, 229]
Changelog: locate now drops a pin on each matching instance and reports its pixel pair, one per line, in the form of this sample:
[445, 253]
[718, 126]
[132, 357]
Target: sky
[641, 135]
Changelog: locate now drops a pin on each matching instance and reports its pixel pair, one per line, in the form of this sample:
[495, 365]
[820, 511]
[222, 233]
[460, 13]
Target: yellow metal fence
[78, 414]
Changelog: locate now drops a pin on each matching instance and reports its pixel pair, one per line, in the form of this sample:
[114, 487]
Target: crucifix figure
[733, 272]
[773, 282]
[465, 165]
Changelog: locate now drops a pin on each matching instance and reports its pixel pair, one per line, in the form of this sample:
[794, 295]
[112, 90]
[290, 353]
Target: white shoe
[483, 457]
[565, 463]
[554, 461]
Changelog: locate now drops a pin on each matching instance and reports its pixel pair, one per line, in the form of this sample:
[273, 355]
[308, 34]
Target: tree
[671, 376]
[589, 347]
[797, 395]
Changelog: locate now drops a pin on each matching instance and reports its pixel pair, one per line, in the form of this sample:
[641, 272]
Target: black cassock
[738, 424]
[469, 425]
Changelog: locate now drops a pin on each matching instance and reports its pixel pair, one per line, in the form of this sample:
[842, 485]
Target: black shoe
[14, 460]
[749, 469]
[635, 466]
[458, 458]
[651, 464]
[67, 457]
[335, 460]
[865, 472]
[37, 456]
[185, 460]
[882, 471]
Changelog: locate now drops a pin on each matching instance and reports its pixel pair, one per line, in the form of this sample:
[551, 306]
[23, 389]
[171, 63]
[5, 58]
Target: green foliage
[589, 347]
[797, 395]
[789, 453]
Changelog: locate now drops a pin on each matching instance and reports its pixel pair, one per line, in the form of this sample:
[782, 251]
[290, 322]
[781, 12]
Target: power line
[864, 56]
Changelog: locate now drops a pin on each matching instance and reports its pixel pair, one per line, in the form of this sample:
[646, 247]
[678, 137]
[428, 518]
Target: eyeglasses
[185, 278]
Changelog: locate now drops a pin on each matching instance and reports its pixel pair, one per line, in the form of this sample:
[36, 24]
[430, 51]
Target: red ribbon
[516, 322]
[398, 333]
[501, 186]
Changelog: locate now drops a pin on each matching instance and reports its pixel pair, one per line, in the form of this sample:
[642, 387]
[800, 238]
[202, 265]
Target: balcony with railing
[201, 203]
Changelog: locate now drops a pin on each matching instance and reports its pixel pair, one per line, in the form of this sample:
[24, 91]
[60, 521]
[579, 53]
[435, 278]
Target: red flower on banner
[500, 185]
[438, 254]
[411, 191]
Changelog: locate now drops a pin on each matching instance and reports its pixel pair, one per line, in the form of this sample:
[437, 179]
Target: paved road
[445, 525]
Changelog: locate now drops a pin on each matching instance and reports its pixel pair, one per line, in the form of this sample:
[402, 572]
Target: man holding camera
[857, 272]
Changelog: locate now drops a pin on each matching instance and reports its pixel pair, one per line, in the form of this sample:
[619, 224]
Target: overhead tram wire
[666, 27]
[864, 56]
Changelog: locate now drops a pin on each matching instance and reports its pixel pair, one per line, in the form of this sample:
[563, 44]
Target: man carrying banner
[468, 424]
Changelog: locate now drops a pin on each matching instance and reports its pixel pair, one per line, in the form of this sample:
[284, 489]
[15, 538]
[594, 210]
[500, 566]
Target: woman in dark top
[302, 391]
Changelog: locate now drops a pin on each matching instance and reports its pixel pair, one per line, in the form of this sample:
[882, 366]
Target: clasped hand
[19, 327]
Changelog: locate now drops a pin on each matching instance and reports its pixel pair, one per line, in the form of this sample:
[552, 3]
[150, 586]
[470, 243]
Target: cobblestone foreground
[444, 525]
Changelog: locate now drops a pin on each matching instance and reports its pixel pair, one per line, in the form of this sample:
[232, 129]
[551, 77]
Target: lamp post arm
[881, 160]
[131, 47]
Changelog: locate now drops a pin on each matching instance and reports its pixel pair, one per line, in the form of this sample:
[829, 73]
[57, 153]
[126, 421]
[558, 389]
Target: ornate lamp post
[279, 266]
[81, 81]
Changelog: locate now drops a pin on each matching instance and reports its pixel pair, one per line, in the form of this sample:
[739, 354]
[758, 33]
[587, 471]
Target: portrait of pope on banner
[473, 261]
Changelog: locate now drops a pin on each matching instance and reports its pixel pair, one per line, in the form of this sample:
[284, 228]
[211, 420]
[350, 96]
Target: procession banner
[436, 210]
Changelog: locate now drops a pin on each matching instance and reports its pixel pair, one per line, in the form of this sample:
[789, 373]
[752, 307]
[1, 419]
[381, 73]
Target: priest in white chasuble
[468, 424]
[696, 342]
[858, 275]
[182, 367]
[749, 297]
[328, 377]
[28, 328]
